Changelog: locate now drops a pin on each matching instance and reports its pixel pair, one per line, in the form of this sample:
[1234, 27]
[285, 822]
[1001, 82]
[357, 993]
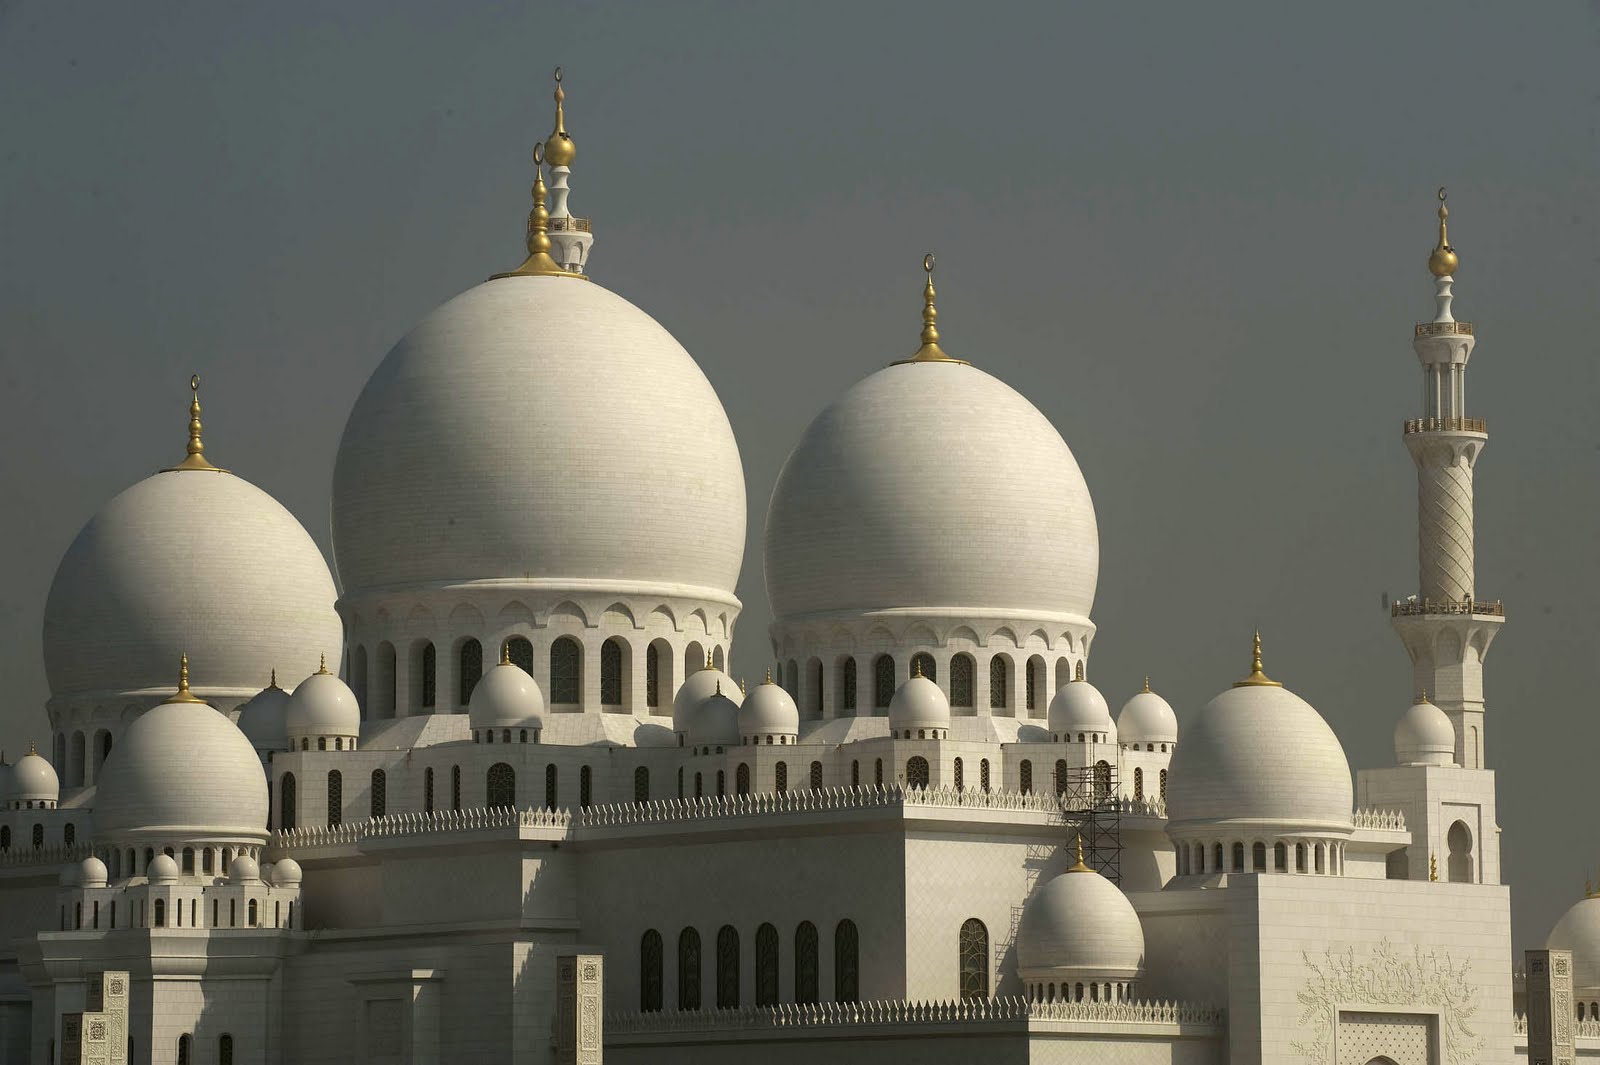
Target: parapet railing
[467, 820]
[55, 855]
[1402, 608]
[1383, 819]
[965, 1011]
[1446, 425]
[1440, 329]
[1584, 1029]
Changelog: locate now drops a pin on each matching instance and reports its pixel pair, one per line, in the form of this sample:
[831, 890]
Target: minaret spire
[1446, 627]
[571, 237]
[538, 263]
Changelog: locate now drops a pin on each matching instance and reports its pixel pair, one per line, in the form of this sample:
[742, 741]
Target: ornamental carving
[1389, 977]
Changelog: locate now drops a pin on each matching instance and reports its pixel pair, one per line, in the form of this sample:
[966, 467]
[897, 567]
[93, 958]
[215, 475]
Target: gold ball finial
[1443, 262]
[769, 675]
[195, 459]
[1079, 867]
[184, 695]
[505, 653]
[559, 149]
[1147, 684]
[1257, 678]
[930, 351]
[1077, 671]
[916, 665]
[323, 668]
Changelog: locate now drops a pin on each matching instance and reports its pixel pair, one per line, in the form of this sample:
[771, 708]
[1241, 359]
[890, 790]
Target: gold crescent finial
[538, 263]
[1257, 678]
[196, 457]
[184, 695]
[930, 351]
[1443, 262]
[559, 149]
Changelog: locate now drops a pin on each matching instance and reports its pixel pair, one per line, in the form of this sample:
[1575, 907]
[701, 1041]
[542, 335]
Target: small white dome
[286, 872]
[182, 772]
[264, 719]
[1147, 718]
[92, 872]
[716, 723]
[769, 711]
[33, 779]
[919, 703]
[1424, 736]
[162, 870]
[1079, 708]
[1080, 926]
[322, 705]
[697, 688]
[244, 870]
[1579, 931]
[506, 697]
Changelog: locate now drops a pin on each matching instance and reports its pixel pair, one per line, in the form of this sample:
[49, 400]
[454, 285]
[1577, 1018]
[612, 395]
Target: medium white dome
[1147, 718]
[162, 869]
[195, 561]
[716, 723]
[33, 779]
[1260, 753]
[769, 711]
[933, 486]
[696, 689]
[182, 772]
[506, 697]
[263, 719]
[286, 872]
[244, 870]
[1579, 931]
[545, 429]
[322, 705]
[92, 872]
[1424, 736]
[1078, 707]
[1080, 925]
[919, 703]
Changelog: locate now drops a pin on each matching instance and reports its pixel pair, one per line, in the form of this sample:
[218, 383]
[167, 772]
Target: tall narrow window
[501, 785]
[335, 798]
[566, 671]
[916, 772]
[161, 913]
[1102, 780]
[1459, 840]
[689, 970]
[641, 784]
[430, 677]
[652, 676]
[5, 837]
[1163, 785]
[846, 962]
[983, 774]
[882, 681]
[1238, 858]
[380, 793]
[1258, 858]
[847, 684]
[1025, 777]
[455, 787]
[427, 790]
[470, 671]
[961, 777]
[974, 959]
[961, 669]
[780, 774]
[585, 786]
[1061, 776]
[922, 664]
[727, 968]
[69, 834]
[816, 776]
[610, 673]
[766, 966]
[814, 679]
[520, 651]
[1031, 678]
[877, 772]
[741, 779]
[999, 682]
[550, 787]
[1138, 783]
[806, 980]
[185, 1041]
[650, 965]
[286, 809]
[225, 1049]
[855, 773]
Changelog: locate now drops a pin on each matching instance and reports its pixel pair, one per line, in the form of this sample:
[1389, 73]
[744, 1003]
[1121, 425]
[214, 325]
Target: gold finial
[1443, 262]
[719, 687]
[323, 669]
[769, 675]
[1147, 684]
[196, 458]
[538, 263]
[742, 689]
[559, 149]
[930, 350]
[708, 659]
[1077, 672]
[505, 653]
[1257, 677]
[184, 695]
[1079, 867]
[916, 665]
[273, 683]
[1422, 696]
[1433, 867]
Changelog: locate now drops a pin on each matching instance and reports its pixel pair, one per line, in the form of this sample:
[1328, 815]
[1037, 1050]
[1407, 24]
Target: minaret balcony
[570, 224]
[1446, 425]
[1439, 329]
[1401, 608]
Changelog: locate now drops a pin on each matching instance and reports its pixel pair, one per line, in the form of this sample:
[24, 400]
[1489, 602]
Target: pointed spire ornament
[1443, 262]
[184, 695]
[273, 683]
[323, 669]
[196, 458]
[1080, 867]
[1147, 684]
[1077, 672]
[1257, 678]
[769, 675]
[559, 149]
[930, 350]
[505, 653]
[538, 263]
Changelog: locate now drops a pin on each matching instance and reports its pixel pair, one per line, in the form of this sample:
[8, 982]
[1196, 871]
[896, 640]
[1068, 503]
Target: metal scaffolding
[1091, 811]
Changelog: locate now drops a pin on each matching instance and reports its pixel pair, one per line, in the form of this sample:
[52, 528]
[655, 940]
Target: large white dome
[195, 561]
[181, 773]
[931, 485]
[543, 429]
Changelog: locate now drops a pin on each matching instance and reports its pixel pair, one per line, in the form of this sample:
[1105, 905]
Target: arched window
[611, 673]
[335, 798]
[286, 801]
[427, 790]
[882, 681]
[846, 962]
[916, 772]
[855, 773]
[652, 676]
[727, 968]
[806, 983]
[1238, 857]
[161, 913]
[650, 972]
[69, 834]
[816, 776]
[455, 787]
[689, 970]
[1025, 777]
[380, 793]
[847, 684]
[641, 785]
[427, 685]
[501, 785]
[1061, 776]
[877, 772]
[780, 773]
[566, 671]
[999, 682]
[741, 779]
[961, 681]
[1258, 858]
[983, 774]
[1459, 840]
[250, 921]
[5, 837]
[1138, 783]
[961, 779]
[699, 788]
[185, 1044]
[974, 946]
[1216, 858]
[1163, 785]
[550, 787]
[1318, 853]
[1280, 857]
[923, 665]
[1102, 779]
[225, 1049]
[766, 966]
[585, 785]
[814, 677]
[470, 663]
[1031, 678]
[1299, 857]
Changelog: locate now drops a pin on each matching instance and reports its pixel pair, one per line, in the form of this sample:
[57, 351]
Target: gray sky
[1194, 235]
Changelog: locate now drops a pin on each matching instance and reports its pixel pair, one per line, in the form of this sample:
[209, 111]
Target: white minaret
[570, 236]
[1446, 628]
